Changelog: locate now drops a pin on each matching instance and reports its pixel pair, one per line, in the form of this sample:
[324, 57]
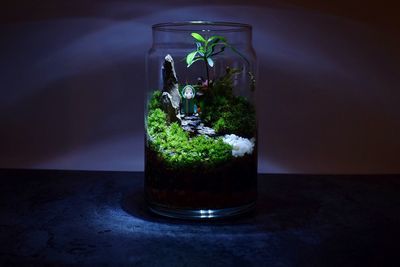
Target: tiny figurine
[188, 104]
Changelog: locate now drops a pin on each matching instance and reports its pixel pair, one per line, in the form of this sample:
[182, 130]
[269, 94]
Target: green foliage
[156, 122]
[205, 49]
[155, 101]
[220, 125]
[235, 116]
[176, 147]
[227, 113]
[198, 37]
[240, 118]
[224, 85]
[180, 150]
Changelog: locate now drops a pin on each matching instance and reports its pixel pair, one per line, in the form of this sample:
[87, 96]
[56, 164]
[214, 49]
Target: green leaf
[216, 38]
[209, 50]
[210, 62]
[198, 45]
[237, 52]
[190, 57]
[216, 53]
[193, 61]
[213, 46]
[198, 37]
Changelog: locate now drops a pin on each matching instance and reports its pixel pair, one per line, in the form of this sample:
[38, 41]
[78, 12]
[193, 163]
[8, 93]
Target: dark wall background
[72, 87]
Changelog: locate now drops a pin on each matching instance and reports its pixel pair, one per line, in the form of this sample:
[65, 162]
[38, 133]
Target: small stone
[204, 130]
[193, 125]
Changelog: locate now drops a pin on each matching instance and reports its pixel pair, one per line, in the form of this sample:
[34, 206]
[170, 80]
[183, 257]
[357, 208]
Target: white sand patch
[240, 145]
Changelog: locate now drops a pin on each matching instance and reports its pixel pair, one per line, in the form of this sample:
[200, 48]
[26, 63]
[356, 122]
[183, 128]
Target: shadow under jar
[200, 120]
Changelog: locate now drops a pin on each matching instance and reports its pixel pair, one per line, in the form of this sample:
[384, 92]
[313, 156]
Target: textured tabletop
[99, 218]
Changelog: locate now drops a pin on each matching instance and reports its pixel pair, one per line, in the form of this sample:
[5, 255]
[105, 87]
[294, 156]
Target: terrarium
[200, 120]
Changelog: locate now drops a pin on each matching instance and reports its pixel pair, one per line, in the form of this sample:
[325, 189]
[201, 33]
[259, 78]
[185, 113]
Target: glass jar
[200, 120]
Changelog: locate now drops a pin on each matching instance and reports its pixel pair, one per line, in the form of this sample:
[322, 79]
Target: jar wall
[200, 121]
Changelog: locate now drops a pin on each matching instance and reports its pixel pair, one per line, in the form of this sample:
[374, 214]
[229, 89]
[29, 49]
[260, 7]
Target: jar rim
[187, 26]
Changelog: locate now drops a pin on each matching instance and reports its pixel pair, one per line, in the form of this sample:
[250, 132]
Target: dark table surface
[100, 218]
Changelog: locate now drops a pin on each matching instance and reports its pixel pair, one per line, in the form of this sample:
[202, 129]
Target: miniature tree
[206, 50]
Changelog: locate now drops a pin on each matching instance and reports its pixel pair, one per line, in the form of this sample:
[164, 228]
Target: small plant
[206, 49]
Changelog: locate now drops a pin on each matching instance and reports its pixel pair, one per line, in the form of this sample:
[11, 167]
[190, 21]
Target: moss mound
[179, 150]
[227, 113]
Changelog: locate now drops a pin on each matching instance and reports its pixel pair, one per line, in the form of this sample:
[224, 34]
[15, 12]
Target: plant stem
[207, 71]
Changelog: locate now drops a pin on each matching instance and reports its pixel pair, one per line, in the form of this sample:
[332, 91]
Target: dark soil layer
[227, 185]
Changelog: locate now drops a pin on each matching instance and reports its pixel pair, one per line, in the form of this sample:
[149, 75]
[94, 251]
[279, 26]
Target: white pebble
[240, 145]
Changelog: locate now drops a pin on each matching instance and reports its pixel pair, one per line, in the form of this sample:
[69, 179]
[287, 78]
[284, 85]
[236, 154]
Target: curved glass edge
[224, 26]
[201, 214]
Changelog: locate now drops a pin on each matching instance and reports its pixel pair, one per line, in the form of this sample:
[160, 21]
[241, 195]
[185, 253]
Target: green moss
[220, 125]
[155, 100]
[227, 113]
[237, 117]
[180, 150]
[156, 122]
[177, 148]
